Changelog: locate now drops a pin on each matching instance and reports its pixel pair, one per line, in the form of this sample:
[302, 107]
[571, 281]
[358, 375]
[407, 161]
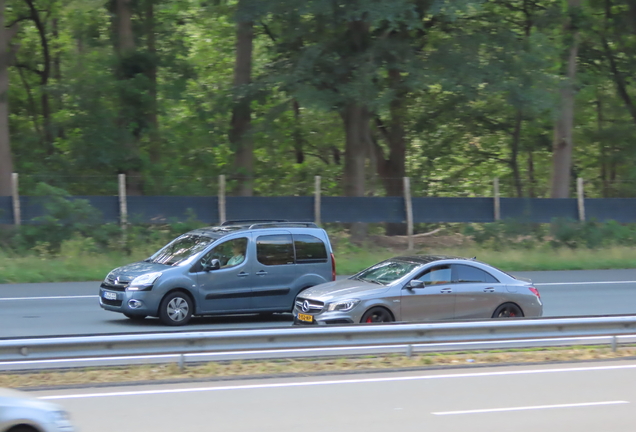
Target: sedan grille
[309, 306]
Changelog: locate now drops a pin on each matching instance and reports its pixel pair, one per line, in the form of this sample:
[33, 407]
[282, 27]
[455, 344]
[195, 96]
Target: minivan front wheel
[176, 309]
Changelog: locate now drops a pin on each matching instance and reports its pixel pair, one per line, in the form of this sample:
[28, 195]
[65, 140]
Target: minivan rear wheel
[176, 309]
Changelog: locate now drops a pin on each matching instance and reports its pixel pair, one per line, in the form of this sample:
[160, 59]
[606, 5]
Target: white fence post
[123, 202]
[15, 195]
[409, 211]
[580, 194]
[497, 202]
[222, 209]
[317, 199]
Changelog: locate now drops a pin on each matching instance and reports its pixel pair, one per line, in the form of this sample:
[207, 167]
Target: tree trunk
[514, 157]
[393, 169]
[153, 119]
[45, 75]
[531, 179]
[240, 129]
[562, 144]
[125, 47]
[57, 74]
[356, 124]
[6, 159]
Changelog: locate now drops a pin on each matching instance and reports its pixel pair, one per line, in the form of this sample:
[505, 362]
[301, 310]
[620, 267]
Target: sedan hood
[9, 397]
[343, 288]
[131, 271]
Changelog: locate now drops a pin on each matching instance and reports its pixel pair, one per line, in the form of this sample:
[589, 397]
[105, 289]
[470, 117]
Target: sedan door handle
[261, 273]
[243, 274]
[489, 290]
[446, 290]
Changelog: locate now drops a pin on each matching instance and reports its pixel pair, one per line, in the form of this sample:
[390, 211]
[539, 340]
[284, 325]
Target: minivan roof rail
[251, 221]
[283, 225]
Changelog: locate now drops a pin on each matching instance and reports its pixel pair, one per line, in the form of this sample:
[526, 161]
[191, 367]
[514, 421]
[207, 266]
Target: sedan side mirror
[415, 284]
[214, 264]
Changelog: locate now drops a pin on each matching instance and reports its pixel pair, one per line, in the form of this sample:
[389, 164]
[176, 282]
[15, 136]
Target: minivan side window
[469, 274]
[309, 249]
[230, 253]
[276, 249]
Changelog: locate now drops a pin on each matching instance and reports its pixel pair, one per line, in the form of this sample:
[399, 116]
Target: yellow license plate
[306, 318]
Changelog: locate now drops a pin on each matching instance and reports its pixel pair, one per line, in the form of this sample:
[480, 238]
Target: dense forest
[271, 93]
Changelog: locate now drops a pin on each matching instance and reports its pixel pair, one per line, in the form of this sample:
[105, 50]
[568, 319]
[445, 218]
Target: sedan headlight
[344, 305]
[143, 282]
[60, 417]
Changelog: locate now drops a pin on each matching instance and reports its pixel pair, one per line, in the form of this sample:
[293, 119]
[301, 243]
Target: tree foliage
[450, 93]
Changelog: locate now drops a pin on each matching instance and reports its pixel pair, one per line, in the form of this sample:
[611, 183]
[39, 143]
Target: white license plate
[110, 295]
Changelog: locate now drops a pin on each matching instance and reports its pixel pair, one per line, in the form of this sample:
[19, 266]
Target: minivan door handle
[261, 273]
[489, 289]
[243, 274]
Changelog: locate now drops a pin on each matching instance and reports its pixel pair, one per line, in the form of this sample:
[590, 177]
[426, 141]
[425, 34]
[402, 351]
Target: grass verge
[350, 260]
[256, 369]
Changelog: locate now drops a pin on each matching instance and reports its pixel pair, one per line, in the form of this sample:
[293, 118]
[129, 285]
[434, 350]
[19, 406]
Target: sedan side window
[230, 253]
[439, 275]
[469, 274]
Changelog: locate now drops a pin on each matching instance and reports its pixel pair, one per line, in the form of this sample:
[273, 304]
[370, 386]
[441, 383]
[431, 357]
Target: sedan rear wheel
[508, 310]
[176, 309]
[377, 315]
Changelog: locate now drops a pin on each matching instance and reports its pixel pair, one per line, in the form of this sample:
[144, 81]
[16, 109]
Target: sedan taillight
[535, 291]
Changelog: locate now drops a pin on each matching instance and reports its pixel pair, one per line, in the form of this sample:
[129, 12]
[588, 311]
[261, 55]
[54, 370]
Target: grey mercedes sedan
[419, 288]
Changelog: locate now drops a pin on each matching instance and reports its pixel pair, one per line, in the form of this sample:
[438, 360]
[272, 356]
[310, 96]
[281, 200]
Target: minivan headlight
[144, 281]
[344, 305]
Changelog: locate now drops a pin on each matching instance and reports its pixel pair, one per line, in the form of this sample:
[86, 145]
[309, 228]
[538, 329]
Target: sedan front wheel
[377, 315]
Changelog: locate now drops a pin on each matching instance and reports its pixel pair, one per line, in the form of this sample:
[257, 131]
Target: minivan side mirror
[214, 264]
[415, 284]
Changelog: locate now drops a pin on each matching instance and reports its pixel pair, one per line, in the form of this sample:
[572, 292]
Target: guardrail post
[317, 197]
[580, 194]
[409, 211]
[614, 343]
[181, 362]
[497, 202]
[222, 213]
[15, 198]
[123, 204]
[409, 351]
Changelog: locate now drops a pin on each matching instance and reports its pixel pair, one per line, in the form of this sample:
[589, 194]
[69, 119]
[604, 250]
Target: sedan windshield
[386, 272]
[180, 249]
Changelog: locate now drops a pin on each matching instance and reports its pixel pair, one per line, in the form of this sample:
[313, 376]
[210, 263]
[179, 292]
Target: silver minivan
[238, 267]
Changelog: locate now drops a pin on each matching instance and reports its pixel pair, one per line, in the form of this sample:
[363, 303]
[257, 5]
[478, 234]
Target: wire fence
[191, 186]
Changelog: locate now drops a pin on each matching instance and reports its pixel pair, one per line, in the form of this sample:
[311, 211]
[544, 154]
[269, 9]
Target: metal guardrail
[312, 338]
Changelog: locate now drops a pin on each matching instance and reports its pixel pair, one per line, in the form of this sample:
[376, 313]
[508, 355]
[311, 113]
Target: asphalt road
[583, 397]
[72, 308]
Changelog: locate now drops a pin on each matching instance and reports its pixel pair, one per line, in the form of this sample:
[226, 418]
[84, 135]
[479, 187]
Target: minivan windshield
[180, 249]
[386, 272]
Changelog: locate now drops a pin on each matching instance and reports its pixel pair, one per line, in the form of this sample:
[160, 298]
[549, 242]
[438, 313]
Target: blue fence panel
[33, 207]
[540, 210]
[621, 210]
[363, 209]
[165, 209]
[441, 209]
[6, 210]
[293, 208]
